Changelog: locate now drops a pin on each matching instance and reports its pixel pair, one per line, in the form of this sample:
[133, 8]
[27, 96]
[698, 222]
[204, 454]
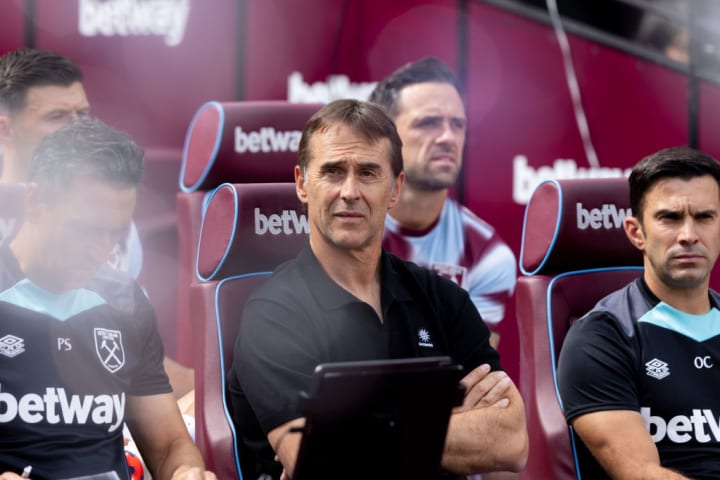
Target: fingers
[484, 388]
[11, 476]
[185, 472]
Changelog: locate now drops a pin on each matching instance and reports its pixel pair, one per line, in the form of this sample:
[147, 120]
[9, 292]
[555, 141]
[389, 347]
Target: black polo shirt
[300, 317]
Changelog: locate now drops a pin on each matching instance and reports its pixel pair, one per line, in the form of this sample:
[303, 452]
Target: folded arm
[488, 432]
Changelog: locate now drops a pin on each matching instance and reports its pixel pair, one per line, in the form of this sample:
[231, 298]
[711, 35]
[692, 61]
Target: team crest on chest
[456, 273]
[109, 347]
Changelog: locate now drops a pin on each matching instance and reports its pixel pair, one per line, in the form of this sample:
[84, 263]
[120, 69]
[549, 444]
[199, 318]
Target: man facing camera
[639, 374]
[426, 225]
[343, 298]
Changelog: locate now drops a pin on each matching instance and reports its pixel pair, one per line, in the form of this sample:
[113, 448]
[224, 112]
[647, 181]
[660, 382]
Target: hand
[11, 476]
[185, 472]
[484, 388]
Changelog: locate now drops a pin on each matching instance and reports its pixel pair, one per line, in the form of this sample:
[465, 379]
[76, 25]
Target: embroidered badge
[424, 339]
[109, 347]
[657, 369]
[11, 346]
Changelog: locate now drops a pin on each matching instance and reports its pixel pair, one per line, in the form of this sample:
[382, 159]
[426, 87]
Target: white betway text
[527, 178]
[55, 406]
[608, 217]
[287, 223]
[267, 139]
[337, 86]
[162, 18]
[702, 425]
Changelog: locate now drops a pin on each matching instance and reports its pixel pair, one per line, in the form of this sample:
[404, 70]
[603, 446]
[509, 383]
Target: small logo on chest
[109, 347]
[11, 346]
[424, 339]
[657, 369]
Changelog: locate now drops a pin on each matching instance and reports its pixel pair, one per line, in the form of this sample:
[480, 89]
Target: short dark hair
[87, 147]
[425, 70]
[674, 162]
[25, 68]
[365, 119]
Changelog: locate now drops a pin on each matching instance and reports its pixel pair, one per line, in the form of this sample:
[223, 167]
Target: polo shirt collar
[330, 295]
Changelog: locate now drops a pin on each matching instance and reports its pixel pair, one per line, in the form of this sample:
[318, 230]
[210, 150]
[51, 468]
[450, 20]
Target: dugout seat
[234, 154]
[574, 252]
[12, 210]
[247, 230]
[228, 142]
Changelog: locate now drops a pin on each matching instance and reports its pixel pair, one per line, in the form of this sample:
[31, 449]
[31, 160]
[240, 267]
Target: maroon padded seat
[574, 252]
[247, 230]
[236, 142]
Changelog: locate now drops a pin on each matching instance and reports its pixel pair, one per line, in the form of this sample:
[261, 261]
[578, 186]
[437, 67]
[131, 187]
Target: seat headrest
[12, 210]
[250, 228]
[577, 224]
[242, 142]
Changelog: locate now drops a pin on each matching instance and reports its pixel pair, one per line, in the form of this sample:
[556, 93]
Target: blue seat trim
[223, 381]
[216, 148]
[206, 201]
[551, 340]
[555, 233]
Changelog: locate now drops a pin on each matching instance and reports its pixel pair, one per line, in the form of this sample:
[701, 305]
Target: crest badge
[109, 347]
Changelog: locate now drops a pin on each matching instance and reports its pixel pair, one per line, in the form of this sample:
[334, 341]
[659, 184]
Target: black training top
[634, 352]
[68, 363]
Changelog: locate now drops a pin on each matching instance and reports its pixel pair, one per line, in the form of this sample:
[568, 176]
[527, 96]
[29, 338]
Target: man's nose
[688, 232]
[448, 133]
[350, 190]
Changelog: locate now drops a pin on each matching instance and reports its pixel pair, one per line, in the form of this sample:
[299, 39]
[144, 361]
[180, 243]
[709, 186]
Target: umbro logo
[657, 369]
[11, 346]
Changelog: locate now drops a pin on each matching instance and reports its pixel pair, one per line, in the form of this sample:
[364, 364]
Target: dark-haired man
[344, 299]
[81, 353]
[638, 375]
[40, 92]
[426, 226]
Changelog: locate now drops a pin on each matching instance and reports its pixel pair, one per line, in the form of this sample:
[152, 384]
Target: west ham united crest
[108, 345]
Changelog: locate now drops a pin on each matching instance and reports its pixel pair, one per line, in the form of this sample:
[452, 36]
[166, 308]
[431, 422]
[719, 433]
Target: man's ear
[5, 128]
[33, 202]
[300, 185]
[396, 188]
[634, 232]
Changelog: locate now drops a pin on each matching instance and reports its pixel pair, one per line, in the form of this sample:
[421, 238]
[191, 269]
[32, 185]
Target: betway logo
[526, 178]
[266, 140]
[337, 86]
[7, 227]
[287, 223]
[702, 426]
[56, 407]
[607, 217]
[161, 18]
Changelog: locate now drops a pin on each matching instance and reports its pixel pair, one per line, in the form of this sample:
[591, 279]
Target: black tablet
[378, 419]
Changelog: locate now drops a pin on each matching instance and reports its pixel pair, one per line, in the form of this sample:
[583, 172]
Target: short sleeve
[468, 335]
[597, 367]
[273, 361]
[150, 378]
